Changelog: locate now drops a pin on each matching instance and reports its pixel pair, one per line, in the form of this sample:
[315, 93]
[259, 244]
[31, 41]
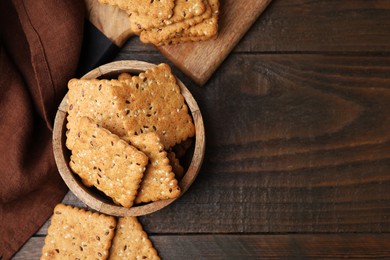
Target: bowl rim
[87, 196]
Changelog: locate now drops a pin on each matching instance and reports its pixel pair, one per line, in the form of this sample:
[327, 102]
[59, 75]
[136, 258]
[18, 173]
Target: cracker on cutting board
[152, 102]
[96, 99]
[162, 9]
[159, 181]
[131, 241]
[78, 234]
[205, 30]
[183, 10]
[107, 162]
[161, 33]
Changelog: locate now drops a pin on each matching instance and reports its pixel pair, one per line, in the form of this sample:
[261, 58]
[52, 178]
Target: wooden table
[297, 124]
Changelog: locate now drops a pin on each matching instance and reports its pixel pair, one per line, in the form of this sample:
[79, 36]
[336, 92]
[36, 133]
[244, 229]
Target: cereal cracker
[159, 181]
[78, 234]
[175, 163]
[124, 76]
[159, 8]
[183, 10]
[203, 31]
[181, 148]
[95, 99]
[162, 33]
[107, 162]
[131, 241]
[152, 102]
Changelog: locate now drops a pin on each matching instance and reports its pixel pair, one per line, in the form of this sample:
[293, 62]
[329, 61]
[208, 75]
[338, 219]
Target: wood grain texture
[297, 124]
[321, 26]
[199, 60]
[346, 246]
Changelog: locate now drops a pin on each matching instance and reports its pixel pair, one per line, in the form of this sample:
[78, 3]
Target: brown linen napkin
[39, 51]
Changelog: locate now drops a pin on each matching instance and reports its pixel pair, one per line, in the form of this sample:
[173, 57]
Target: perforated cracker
[96, 99]
[124, 76]
[159, 181]
[158, 8]
[107, 162]
[131, 242]
[176, 166]
[183, 10]
[78, 234]
[152, 102]
[206, 30]
[162, 33]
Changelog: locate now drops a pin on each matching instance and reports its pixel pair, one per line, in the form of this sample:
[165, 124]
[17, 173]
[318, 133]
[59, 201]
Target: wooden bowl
[92, 197]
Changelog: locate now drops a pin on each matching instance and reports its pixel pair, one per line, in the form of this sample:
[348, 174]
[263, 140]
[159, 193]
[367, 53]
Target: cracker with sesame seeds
[176, 166]
[131, 241]
[107, 162]
[159, 181]
[205, 30]
[78, 234]
[184, 10]
[161, 33]
[152, 102]
[154, 8]
[124, 76]
[95, 99]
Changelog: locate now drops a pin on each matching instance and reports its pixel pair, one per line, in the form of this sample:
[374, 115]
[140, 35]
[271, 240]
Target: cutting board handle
[111, 21]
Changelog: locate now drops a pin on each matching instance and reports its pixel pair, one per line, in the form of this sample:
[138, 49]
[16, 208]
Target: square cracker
[162, 33]
[78, 234]
[131, 241]
[159, 181]
[183, 10]
[95, 99]
[176, 166]
[152, 102]
[203, 31]
[107, 162]
[158, 8]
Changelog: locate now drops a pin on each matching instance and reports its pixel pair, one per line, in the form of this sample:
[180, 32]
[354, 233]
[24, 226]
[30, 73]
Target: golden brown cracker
[95, 99]
[131, 241]
[78, 234]
[181, 148]
[205, 30]
[183, 10]
[124, 76]
[152, 102]
[107, 162]
[159, 181]
[162, 9]
[175, 164]
[162, 33]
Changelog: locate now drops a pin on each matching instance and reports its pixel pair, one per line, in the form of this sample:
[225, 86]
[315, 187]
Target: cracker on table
[162, 33]
[183, 10]
[96, 99]
[177, 169]
[159, 181]
[107, 162]
[152, 102]
[78, 234]
[162, 9]
[131, 241]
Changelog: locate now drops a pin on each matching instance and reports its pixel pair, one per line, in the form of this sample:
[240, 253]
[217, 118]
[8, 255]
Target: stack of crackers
[163, 22]
[76, 233]
[122, 133]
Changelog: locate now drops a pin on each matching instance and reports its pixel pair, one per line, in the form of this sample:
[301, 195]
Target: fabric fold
[39, 52]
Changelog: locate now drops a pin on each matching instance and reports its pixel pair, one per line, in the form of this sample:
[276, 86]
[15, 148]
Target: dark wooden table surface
[297, 162]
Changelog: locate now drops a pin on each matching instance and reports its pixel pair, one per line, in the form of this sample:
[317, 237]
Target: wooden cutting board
[197, 60]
